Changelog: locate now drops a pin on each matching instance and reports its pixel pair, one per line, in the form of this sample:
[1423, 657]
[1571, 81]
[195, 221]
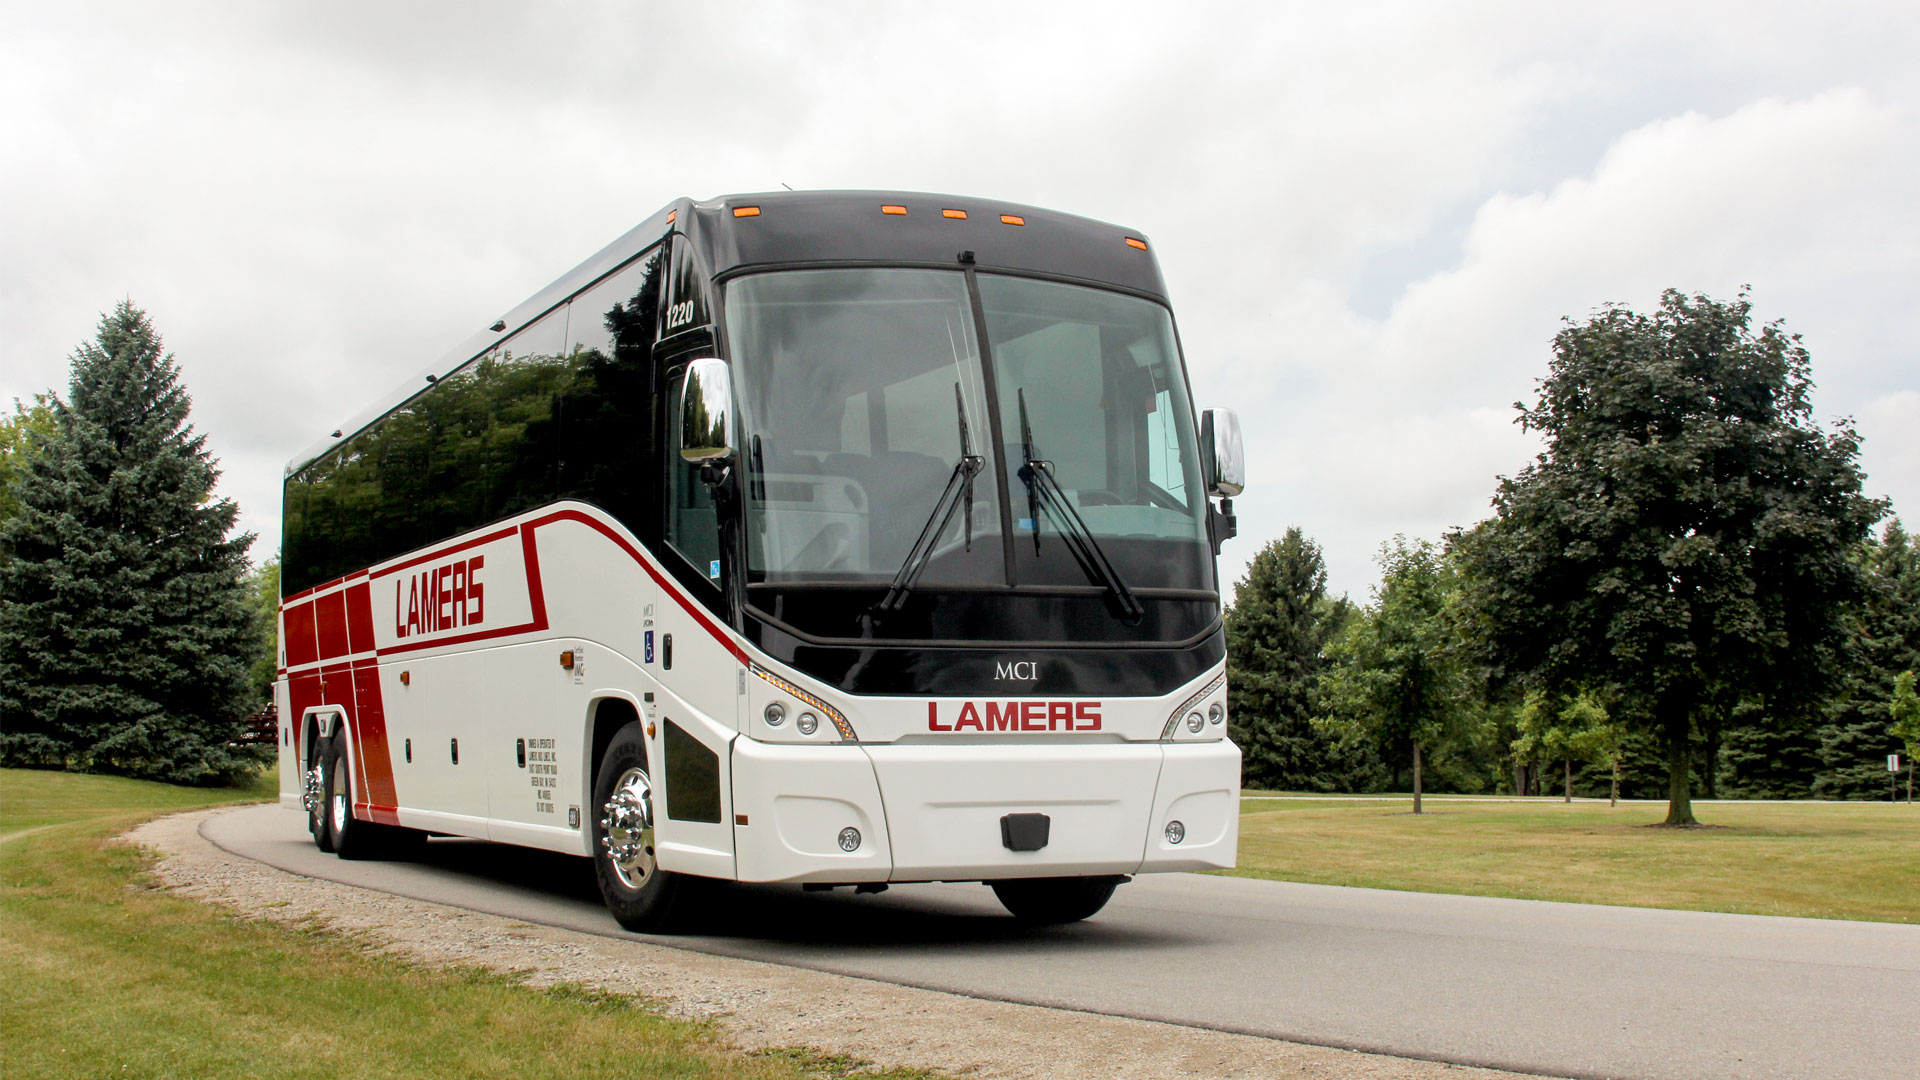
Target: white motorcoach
[837, 538]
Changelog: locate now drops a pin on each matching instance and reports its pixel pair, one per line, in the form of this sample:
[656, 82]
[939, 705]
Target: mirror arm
[1222, 525]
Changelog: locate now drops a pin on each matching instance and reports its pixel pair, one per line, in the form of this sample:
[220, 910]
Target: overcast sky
[1371, 216]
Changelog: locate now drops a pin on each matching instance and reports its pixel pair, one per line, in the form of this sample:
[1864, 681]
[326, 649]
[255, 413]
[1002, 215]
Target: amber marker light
[1010, 219]
[896, 211]
[1133, 243]
[746, 211]
[566, 659]
[406, 678]
[957, 215]
[671, 214]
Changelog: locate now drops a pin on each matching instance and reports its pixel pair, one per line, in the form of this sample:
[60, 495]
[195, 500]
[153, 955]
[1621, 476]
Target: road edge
[759, 1005]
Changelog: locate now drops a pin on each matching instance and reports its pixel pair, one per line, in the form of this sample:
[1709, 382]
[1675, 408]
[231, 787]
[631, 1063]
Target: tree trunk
[1416, 776]
[1569, 784]
[1519, 779]
[1909, 779]
[1710, 774]
[1614, 799]
[1679, 791]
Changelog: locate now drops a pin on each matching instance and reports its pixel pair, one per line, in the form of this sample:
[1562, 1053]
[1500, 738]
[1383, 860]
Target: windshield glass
[855, 386]
[1097, 376]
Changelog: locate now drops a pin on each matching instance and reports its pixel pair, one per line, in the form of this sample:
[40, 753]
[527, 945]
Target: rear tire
[352, 838]
[640, 895]
[314, 793]
[1050, 901]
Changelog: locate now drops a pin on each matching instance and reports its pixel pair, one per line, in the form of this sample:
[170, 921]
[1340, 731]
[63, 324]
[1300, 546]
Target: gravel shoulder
[759, 1005]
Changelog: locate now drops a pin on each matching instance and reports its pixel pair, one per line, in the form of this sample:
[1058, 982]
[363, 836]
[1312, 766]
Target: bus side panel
[533, 709]
[637, 633]
[436, 716]
[691, 754]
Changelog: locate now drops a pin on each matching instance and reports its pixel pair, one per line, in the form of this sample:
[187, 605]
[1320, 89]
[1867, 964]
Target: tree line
[1683, 593]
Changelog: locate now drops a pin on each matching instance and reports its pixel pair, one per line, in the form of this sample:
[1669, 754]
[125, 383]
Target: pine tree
[1855, 740]
[1277, 630]
[124, 631]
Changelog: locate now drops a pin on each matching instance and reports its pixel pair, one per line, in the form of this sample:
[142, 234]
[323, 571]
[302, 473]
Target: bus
[827, 538]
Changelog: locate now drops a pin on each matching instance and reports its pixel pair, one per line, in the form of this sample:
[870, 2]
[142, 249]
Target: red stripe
[370, 716]
[686, 603]
[536, 592]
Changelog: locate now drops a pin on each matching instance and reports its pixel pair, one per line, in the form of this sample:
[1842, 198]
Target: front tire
[1050, 901]
[640, 895]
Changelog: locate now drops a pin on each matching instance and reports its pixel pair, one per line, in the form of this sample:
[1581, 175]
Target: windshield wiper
[959, 490]
[1044, 490]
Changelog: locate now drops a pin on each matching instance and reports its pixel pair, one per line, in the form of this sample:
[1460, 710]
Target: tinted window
[562, 410]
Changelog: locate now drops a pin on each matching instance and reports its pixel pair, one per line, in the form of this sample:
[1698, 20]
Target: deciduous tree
[21, 436]
[1904, 707]
[1394, 675]
[1688, 527]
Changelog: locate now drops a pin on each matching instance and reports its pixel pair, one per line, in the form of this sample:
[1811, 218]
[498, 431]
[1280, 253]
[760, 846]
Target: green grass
[1828, 861]
[106, 976]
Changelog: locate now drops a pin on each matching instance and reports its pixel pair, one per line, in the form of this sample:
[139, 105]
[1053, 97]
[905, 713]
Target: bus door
[696, 717]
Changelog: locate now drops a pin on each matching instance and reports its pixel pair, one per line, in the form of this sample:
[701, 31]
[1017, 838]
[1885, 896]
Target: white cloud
[1371, 216]
[1806, 200]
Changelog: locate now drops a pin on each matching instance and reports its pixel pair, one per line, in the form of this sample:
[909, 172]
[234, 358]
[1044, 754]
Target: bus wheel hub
[310, 796]
[626, 825]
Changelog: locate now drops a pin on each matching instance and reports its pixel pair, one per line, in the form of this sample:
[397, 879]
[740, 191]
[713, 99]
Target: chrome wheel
[626, 827]
[311, 795]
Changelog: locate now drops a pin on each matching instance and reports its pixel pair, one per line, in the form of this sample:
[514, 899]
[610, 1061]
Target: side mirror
[1222, 458]
[706, 412]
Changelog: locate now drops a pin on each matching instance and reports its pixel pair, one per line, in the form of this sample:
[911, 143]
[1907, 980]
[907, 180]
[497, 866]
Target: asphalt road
[1557, 989]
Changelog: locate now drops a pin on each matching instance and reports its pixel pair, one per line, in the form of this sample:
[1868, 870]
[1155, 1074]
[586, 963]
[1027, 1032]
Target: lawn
[107, 977]
[1828, 861]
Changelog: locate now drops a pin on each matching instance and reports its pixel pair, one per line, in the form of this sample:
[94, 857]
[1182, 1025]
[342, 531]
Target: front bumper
[931, 812]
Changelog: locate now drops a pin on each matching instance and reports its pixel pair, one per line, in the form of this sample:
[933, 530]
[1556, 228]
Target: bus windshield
[867, 421]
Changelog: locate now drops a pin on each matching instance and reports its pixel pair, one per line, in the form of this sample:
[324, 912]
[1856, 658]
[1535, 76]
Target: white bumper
[932, 812]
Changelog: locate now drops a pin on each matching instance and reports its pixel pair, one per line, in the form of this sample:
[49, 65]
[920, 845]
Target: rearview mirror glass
[706, 412]
[1225, 462]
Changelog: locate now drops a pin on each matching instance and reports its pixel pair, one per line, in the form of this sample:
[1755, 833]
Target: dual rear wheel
[329, 799]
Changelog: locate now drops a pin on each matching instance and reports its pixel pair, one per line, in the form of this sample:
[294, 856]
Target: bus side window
[693, 526]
